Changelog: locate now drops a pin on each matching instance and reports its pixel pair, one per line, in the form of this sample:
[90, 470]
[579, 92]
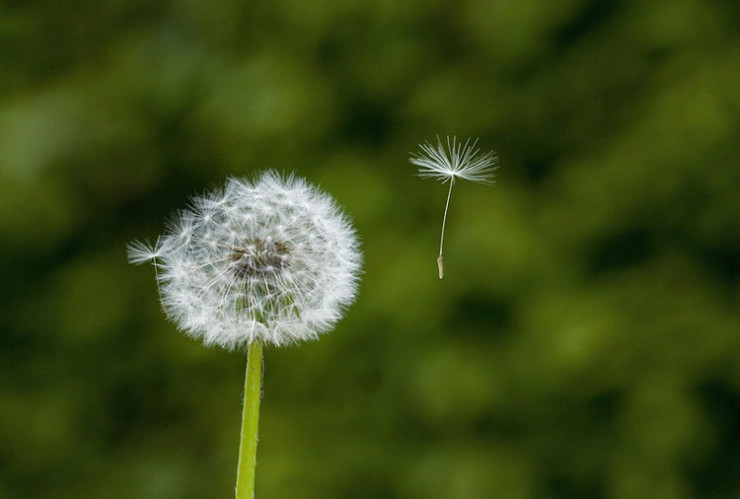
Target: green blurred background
[585, 342]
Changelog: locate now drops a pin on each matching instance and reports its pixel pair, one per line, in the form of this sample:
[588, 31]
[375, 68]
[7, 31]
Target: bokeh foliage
[585, 342]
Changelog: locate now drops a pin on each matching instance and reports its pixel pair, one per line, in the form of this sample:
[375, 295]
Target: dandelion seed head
[450, 160]
[274, 260]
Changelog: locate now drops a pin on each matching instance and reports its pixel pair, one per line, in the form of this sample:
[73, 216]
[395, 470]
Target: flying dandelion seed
[274, 261]
[446, 164]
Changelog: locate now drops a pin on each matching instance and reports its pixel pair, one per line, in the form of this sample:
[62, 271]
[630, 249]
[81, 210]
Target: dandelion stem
[440, 259]
[250, 421]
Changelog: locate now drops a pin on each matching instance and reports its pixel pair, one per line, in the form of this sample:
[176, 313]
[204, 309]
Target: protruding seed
[441, 265]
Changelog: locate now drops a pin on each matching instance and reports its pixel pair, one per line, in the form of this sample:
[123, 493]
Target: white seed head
[456, 160]
[275, 261]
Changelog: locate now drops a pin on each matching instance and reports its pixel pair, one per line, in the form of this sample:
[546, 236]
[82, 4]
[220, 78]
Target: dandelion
[269, 262]
[275, 262]
[447, 164]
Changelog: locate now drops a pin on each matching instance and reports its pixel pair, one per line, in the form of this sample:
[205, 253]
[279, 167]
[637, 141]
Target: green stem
[250, 421]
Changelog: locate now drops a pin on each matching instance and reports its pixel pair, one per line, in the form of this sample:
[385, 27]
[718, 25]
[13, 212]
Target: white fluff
[275, 261]
[457, 160]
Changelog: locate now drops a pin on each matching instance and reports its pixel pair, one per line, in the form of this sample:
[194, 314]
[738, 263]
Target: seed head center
[260, 258]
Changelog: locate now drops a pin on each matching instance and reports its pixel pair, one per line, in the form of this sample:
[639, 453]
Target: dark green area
[584, 344]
